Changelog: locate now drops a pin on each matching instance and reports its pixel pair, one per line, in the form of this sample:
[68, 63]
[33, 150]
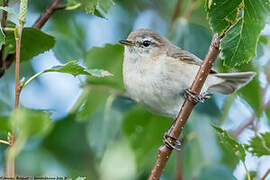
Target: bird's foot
[171, 142]
[195, 98]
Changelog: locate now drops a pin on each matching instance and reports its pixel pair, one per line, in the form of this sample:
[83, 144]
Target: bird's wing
[185, 56]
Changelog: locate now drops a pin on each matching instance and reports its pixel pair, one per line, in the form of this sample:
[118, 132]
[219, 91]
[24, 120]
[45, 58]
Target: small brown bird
[157, 73]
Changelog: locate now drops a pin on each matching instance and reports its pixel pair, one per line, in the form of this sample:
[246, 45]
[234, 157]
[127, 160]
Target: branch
[43, 18]
[266, 174]
[18, 37]
[164, 151]
[176, 13]
[239, 130]
[40, 22]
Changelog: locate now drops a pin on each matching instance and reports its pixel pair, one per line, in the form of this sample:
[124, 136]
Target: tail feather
[231, 82]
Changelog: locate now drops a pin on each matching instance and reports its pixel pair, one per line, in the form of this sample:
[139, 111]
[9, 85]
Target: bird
[157, 73]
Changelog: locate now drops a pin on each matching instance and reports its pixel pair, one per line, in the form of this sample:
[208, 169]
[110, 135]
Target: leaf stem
[248, 175]
[32, 78]
[4, 142]
[79, 102]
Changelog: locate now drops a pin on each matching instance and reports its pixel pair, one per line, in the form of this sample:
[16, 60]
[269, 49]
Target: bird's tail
[230, 82]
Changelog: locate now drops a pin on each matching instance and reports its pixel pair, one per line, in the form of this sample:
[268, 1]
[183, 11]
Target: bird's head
[144, 43]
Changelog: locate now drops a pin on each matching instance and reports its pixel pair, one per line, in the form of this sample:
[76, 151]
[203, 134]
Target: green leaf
[72, 68]
[105, 5]
[91, 6]
[81, 178]
[68, 142]
[259, 145]
[221, 14]
[94, 99]
[86, 5]
[109, 57]
[35, 42]
[75, 69]
[238, 46]
[231, 144]
[5, 126]
[70, 37]
[99, 14]
[144, 132]
[105, 124]
[99, 72]
[29, 122]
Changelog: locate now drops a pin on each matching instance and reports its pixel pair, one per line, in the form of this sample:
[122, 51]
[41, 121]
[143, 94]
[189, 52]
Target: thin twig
[239, 130]
[164, 151]
[47, 14]
[11, 158]
[176, 13]
[266, 174]
[40, 22]
[191, 8]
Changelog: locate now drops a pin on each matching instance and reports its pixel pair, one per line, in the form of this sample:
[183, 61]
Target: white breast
[157, 84]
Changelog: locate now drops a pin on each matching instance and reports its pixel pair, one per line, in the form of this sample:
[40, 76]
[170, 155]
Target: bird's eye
[146, 43]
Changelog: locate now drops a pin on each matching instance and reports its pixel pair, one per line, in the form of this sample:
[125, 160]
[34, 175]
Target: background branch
[3, 25]
[250, 122]
[239, 130]
[266, 174]
[176, 13]
[47, 14]
[164, 151]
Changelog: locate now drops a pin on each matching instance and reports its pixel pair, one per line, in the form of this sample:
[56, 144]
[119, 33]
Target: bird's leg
[173, 142]
[170, 141]
[194, 97]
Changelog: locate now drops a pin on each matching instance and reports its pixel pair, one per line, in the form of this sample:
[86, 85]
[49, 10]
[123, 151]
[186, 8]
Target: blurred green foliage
[104, 134]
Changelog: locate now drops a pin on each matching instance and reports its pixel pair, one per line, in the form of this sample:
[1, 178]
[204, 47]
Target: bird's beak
[126, 43]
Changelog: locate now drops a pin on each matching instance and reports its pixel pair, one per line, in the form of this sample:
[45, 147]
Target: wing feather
[185, 56]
